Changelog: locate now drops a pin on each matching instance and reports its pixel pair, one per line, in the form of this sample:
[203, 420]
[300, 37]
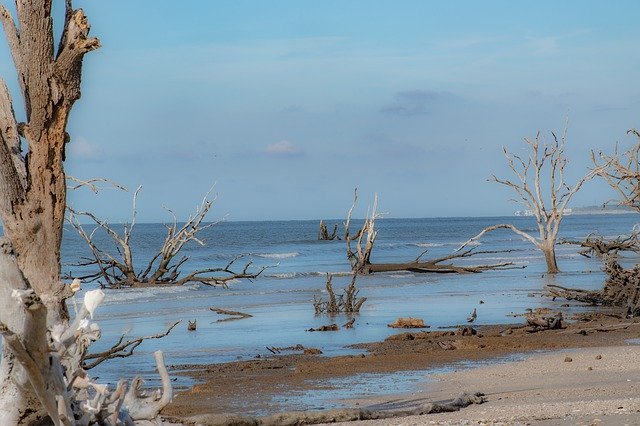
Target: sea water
[280, 300]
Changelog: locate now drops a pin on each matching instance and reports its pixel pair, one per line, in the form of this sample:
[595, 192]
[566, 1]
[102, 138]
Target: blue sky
[288, 105]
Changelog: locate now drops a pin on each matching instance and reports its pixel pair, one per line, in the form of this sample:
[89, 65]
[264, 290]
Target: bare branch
[122, 349]
[476, 238]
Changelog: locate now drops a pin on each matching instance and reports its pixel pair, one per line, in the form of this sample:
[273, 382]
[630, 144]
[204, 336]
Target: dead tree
[324, 235]
[42, 379]
[360, 260]
[622, 286]
[622, 173]
[544, 168]
[117, 271]
[365, 238]
[347, 303]
[601, 247]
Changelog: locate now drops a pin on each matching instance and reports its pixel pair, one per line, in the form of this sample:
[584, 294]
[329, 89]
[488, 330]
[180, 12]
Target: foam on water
[278, 255]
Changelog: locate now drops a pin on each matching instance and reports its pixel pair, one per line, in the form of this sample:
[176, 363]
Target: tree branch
[122, 350]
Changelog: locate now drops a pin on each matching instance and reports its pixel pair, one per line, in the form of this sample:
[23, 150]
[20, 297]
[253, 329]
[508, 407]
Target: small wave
[289, 275]
[116, 296]
[278, 255]
[427, 244]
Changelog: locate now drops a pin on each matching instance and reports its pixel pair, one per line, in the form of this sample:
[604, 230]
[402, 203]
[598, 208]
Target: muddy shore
[251, 386]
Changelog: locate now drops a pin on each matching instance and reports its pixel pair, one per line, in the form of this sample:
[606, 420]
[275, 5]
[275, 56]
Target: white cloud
[283, 148]
[81, 148]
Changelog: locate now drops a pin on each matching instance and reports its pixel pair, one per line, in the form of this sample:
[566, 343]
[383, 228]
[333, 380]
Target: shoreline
[261, 386]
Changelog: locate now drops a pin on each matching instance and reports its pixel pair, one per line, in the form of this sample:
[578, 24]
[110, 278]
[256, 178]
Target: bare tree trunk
[549, 252]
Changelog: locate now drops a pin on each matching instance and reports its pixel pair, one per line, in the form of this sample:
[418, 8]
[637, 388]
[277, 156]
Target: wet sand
[261, 386]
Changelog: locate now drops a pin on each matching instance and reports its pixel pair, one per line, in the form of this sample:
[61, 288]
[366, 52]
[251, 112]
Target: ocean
[280, 300]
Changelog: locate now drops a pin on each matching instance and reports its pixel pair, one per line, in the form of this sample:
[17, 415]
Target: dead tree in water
[622, 286]
[622, 173]
[346, 302]
[364, 241]
[545, 162]
[42, 377]
[120, 271]
[324, 235]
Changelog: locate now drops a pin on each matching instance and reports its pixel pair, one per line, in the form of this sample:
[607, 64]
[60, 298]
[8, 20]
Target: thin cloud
[414, 102]
[80, 148]
[284, 148]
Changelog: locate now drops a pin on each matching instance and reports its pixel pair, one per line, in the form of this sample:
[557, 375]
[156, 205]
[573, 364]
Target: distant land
[601, 209]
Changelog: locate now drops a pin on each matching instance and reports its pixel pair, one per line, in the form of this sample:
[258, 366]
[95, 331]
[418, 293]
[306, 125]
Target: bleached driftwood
[51, 362]
[118, 270]
[365, 238]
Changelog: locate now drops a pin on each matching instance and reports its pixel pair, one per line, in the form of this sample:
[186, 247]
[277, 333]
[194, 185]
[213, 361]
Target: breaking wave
[278, 255]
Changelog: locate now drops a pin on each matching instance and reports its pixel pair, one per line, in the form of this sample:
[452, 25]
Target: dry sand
[544, 389]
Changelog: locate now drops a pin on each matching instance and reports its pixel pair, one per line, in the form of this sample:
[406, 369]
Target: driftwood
[324, 235]
[330, 327]
[364, 241]
[297, 348]
[117, 271]
[408, 323]
[348, 302]
[579, 295]
[382, 411]
[545, 161]
[349, 324]
[122, 349]
[233, 315]
[596, 244]
[539, 323]
[622, 173]
[58, 374]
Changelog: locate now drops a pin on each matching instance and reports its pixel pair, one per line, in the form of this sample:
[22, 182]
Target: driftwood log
[360, 247]
[232, 315]
[381, 411]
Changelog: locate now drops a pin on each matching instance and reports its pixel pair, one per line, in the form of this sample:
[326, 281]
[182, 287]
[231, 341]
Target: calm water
[281, 299]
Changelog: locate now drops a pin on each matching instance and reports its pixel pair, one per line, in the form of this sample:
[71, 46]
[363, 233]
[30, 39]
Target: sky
[287, 106]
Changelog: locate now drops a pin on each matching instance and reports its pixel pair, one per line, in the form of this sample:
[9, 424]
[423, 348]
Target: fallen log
[338, 415]
[233, 315]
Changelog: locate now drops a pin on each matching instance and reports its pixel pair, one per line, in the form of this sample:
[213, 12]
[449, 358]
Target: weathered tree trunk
[33, 189]
[549, 252]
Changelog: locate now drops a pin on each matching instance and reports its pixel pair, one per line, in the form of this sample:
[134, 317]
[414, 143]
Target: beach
[600, 386]
[588, 369]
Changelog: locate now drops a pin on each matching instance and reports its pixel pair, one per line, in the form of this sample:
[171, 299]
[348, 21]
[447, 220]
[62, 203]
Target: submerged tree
[323, 232]
[364, 242]
[544, 168]
[348, 302]
[42, 376]
[118, 270]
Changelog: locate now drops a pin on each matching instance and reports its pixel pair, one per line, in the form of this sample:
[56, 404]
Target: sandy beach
[587, 372]
[600, 385]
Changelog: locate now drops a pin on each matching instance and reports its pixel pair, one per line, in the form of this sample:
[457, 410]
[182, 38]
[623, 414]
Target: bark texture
[42, 374]
[33, 187]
